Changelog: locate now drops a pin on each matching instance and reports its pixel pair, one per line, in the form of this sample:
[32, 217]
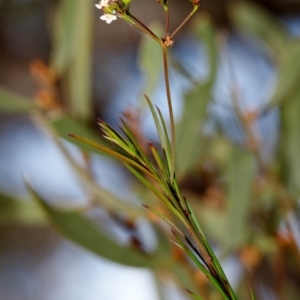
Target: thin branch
[135, 21]
[184, 21]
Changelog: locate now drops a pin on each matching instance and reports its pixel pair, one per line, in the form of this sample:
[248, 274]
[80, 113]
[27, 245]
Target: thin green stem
[184, 21]
[171, 115]
[135, 21]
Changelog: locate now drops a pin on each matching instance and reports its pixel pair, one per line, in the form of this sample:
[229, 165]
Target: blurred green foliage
[243, 202]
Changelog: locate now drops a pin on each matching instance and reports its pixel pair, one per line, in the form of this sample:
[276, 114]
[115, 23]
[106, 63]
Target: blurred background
[235, 73]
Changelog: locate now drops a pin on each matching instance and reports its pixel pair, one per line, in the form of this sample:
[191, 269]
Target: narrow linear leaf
[158, 160]
[164, 218]
[194, 295]
[252, 294]
[159, 194]
[135, 144]
[167, 145]
[156, 121]
[112, 153]
[202, 268]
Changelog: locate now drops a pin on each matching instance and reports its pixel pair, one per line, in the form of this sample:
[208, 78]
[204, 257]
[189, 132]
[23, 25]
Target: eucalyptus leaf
[10, 102]
[72, 52]
[62, 36]
[241, 172]
[20, 211]
[80, 70]
[82, 231]
[290, 143]
[189, 133]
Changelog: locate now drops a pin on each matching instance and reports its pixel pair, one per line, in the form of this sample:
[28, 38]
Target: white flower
[108, 18]
[102, 3]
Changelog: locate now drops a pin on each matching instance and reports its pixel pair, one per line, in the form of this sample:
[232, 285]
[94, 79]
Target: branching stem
[184, 21]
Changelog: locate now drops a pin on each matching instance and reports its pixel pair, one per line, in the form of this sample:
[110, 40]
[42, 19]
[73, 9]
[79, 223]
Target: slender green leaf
[144, 159]
[252, 294]
[158, 193]
[194, 295]
[156, 121]
[158, 160]
[202, 268]
[112, 153]
[167, 145]
[164, 218]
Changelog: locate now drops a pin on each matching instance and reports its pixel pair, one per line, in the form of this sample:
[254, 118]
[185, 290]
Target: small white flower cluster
[106, 17]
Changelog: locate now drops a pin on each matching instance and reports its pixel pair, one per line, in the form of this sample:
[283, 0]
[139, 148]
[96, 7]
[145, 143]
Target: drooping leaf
[13, 103]
[20, 211]
[82, 231]
[100, 195]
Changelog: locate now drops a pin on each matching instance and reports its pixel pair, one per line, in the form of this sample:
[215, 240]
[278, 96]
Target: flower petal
[108, 18]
